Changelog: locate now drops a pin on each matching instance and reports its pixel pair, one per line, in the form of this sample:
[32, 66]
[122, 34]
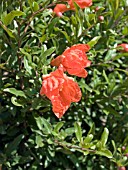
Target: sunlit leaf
[15, 92]
[94, 41]
[104, 152]
[78, 131]
[104, 137]
[43, 122]
[10, 16]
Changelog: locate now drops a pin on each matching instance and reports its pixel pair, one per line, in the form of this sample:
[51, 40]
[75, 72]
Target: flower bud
[123, 148]
[121, 168]
[101, 18]
[97, 8]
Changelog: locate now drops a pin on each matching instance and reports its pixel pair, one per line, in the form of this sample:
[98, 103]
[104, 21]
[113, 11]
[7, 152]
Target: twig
[34, 14]
[74, 147]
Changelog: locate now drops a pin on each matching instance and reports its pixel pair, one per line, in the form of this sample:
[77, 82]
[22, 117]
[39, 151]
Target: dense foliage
[93, 133]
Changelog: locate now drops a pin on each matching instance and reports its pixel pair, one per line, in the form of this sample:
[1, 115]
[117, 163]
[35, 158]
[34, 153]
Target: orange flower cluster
[61, 8]
[61, 90]
[74, 60]
[57, 86]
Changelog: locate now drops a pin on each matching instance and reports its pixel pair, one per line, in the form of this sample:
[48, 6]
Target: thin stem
[34, 14]
[74, 147]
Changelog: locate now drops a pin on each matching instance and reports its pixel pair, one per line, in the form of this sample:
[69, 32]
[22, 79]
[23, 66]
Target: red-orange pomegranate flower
[61, 8]
[74, 60]
[124, 47]
[80, 3]
[61, 90]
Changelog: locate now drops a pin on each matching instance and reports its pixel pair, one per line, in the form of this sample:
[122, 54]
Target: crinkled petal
[82, 47]
[57, 61]
[60, 8]
[72, 61]
[78, 72]
[74, 91]
[81, 3]
[59, 107]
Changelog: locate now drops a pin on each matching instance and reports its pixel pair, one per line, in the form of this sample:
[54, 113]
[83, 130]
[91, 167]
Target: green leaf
[14, 144]
[109, 54]
[117, 3]
[26, 54]
[30, 3]
[47, 53]
[43, 38]
[9, 32]
[78, 131]
[13, 100]
[58, 126]
[119, 56]
[126, 72]
[41, 121]
[15, 92]
[92, 130]
[66, 35]
[39, 141]
[114, 146]
[27, 66]
[105, 76]
[35, 6]
[88, 139]
[10, 16]
[104, 137]
[70, 131]
[104, 152]
[75, 161]
[52, 25]
[93, 41]
[83, 85]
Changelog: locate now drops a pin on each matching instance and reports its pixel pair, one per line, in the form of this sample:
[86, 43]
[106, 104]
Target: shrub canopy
[93, 132]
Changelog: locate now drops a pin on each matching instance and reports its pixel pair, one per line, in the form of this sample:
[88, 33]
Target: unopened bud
[123, 148]
[101, 18]
[97, 8]
[122, 168]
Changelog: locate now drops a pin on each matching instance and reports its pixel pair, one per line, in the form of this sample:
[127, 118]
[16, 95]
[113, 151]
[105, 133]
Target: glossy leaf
[15, 92]
[58, 126]
[43, 122]
[104, 152]
[94, 41]
[104, 137]
[35, 6]
[9, 32]
[13, 100]
[78, 131]
[10, 16]
[47, 53]
[88, 139]
[92, 130]
[39, 141]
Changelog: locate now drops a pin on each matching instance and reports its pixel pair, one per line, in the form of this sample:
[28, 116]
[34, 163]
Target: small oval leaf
[94, 41]
[78, 131]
